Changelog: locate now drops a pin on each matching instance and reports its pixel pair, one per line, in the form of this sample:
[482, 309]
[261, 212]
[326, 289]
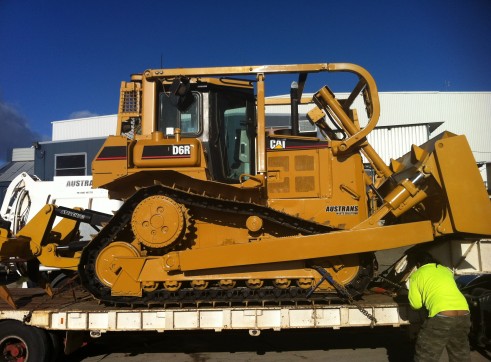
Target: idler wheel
[158, 221]
[106, 267]
[343, 269]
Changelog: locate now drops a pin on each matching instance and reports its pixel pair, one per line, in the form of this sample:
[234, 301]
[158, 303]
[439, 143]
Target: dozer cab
[217, 206]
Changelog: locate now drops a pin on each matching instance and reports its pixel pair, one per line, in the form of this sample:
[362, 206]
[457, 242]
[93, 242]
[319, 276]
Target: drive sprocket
[158, 221]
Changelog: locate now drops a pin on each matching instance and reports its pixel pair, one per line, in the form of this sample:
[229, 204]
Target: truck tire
[22, 343]
[56, 352]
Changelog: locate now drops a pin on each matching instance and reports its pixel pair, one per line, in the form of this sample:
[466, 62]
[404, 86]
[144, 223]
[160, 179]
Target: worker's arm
[415, 299]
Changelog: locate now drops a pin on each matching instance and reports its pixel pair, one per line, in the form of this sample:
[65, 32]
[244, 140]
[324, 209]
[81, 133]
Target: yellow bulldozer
[218, 207]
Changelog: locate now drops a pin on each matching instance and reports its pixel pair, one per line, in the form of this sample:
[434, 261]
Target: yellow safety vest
[434, 287]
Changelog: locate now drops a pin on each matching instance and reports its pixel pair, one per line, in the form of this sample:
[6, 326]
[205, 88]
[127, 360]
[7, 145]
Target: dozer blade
[470, 208]
[446, 171]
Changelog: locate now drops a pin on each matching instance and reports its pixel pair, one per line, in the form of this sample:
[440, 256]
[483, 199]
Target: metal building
[65, 158]
[406, 118]
[22, 161]
[467, 113]
[75, 142]
[83, 128]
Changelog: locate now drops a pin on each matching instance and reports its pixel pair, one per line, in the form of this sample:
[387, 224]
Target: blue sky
[63, 59]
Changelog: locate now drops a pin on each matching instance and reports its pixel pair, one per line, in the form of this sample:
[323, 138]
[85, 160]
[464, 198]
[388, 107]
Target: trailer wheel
[56, 350]
[21, 343]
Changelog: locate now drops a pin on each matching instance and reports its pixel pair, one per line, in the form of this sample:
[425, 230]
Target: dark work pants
[439, 332]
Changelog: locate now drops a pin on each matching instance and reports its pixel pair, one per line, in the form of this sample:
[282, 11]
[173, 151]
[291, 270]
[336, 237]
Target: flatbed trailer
[48, 326]
[73, 315]
[71, 312]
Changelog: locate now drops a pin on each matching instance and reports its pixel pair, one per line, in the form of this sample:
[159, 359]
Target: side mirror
[126, 127]
[180, 94]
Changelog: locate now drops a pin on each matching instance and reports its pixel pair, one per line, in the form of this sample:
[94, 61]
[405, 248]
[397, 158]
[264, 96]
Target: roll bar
[324, 98]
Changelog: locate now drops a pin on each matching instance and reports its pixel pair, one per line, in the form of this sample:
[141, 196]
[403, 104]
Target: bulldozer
[219, 207]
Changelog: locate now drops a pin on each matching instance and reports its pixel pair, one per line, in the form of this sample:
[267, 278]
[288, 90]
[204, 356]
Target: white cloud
[82, 114]
[14, 131]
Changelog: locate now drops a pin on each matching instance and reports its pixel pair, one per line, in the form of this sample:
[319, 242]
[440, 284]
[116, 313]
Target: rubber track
[121, 222]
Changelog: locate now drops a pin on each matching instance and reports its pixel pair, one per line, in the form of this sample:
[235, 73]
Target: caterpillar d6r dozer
[217, 207]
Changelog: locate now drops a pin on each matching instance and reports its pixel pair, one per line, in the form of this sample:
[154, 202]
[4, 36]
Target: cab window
[187, 120]
[235, 136]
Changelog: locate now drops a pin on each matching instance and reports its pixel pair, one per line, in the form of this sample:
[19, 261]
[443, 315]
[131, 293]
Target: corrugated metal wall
[467, 113]
[101, 126]
[23, 154]
[393, 142]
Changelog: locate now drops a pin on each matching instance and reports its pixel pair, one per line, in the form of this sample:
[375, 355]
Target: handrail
[325, 98]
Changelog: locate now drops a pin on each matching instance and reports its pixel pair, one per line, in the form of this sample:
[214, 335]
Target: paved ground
[353, 345]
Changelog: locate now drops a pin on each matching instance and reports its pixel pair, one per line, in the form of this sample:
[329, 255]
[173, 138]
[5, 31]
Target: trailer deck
[76, 310]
